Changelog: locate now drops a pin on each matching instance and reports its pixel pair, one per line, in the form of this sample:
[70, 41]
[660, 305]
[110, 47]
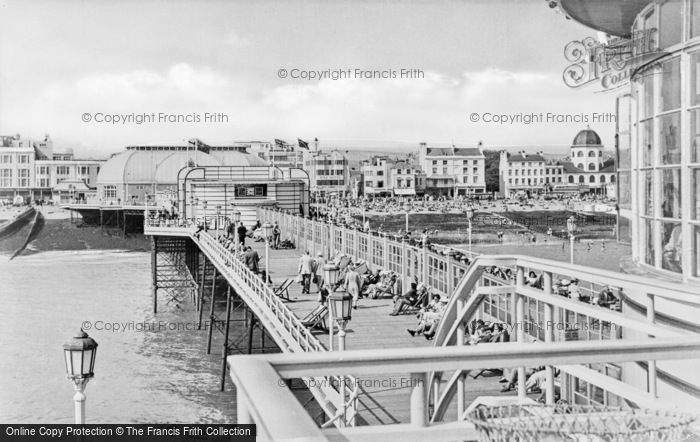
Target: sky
[62, 60]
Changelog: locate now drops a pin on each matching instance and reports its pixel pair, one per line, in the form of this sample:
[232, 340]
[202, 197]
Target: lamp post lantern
[80, 354]
[571, 227]
[470, 215]
[267, 231]
[341, 308]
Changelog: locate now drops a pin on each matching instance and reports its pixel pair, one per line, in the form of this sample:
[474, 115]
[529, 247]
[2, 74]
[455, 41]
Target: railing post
[419, 415]
[450, 275]
[404, 265]
[461, 387]
[385, 253]
[331, 241]
[651, 365]
[520, 325]
[548, 337]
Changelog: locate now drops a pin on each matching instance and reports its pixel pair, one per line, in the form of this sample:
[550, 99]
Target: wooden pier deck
[387, 394]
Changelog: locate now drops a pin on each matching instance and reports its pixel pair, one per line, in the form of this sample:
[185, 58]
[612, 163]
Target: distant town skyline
[240, 60]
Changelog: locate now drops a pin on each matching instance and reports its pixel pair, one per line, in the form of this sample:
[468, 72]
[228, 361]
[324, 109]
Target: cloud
[433, 108]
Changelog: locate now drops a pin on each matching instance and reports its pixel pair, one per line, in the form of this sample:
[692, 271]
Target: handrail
[269, 370]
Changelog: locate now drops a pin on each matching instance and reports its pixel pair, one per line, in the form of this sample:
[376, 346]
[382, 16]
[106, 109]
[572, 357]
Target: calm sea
[152, 373]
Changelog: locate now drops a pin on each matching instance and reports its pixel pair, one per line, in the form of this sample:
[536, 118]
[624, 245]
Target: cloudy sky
[59, 60]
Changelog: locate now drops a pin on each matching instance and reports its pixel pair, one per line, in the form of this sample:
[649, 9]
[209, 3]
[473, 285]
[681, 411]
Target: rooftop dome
[587, 137]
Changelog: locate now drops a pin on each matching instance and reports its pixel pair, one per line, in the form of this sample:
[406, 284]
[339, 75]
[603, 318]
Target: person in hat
[318, 273]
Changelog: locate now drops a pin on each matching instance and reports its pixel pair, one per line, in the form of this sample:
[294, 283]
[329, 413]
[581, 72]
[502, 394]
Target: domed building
[587, 169]
[140, 172]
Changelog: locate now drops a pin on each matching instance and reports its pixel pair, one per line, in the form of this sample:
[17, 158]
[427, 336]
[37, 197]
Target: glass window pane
[695, 249]
[624, 157]
[647, 139]
[695, 137]
[648, 192]
[695, 78]
[670, 22]
[694, 19]
[671, 188]
[670, 138]
[695, 193]
[646, 95]
[648, 235]
[625, 189]
[671, 85]
[672, 248]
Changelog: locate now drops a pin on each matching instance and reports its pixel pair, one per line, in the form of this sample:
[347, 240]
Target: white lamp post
[470, 215]
[194, 207]
[571, 227]
[330, 278]
[80, 354]
[341, 308]
[218, 220]
[236, 216]
[407, 208]
[267, 231]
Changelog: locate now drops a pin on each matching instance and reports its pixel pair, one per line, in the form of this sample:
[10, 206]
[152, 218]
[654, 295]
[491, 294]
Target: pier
[440, 386]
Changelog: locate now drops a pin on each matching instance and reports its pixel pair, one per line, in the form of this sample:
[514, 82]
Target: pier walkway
[438, 375]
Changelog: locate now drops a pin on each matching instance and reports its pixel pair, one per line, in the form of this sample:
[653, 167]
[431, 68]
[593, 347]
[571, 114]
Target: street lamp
[470, 215]
[571, 227]
[218, 220]
[330, 278]
[341, 309]
[80, 362]
[267, 231]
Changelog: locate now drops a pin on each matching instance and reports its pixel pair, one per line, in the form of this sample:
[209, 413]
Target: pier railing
[281, 323]
[257, 380]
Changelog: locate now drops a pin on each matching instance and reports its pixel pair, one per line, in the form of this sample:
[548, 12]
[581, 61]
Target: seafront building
[585, 170]
[329, 171]
[33, 170]
[277, 153]
[453, 171]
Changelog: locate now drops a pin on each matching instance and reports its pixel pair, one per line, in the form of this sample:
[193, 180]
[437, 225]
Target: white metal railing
[282, 324]
[257, 379]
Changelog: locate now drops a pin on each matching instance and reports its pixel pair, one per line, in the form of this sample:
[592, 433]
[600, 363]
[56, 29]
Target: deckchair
[283, 290]
[317, 318]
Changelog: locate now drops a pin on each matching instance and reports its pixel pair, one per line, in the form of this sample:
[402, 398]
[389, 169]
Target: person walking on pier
[353, 282]
[276, 232]
[318, 273]
[242, 231]
[251, 260]
[305, 270]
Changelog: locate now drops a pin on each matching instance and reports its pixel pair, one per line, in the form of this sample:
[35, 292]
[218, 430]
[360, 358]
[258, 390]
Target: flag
[279, 143]
[303, 144]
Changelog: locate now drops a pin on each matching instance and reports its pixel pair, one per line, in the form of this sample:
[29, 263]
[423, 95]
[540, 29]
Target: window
[670, 138]
[591, 179]
[84, 170]
[602, 179]
[380, 183]
[109, 192]
[671, 84]
[5, 159]
[591, 166]
[591, 153]
[695, 136]
[571, 179]
[581, 179]
[671, 193]
[23, 159]
[580, 153]
[62, 170]
[580, 166]
[670, 22]
[251, 190]
[5, 177]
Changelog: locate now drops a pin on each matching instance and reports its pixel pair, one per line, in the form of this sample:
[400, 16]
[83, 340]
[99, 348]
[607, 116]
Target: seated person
[511, 377]
[531, 279]
[606, 298]
[575, 292]
[482, 333]
[427, 315]
[408, 299]
[499, 333]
